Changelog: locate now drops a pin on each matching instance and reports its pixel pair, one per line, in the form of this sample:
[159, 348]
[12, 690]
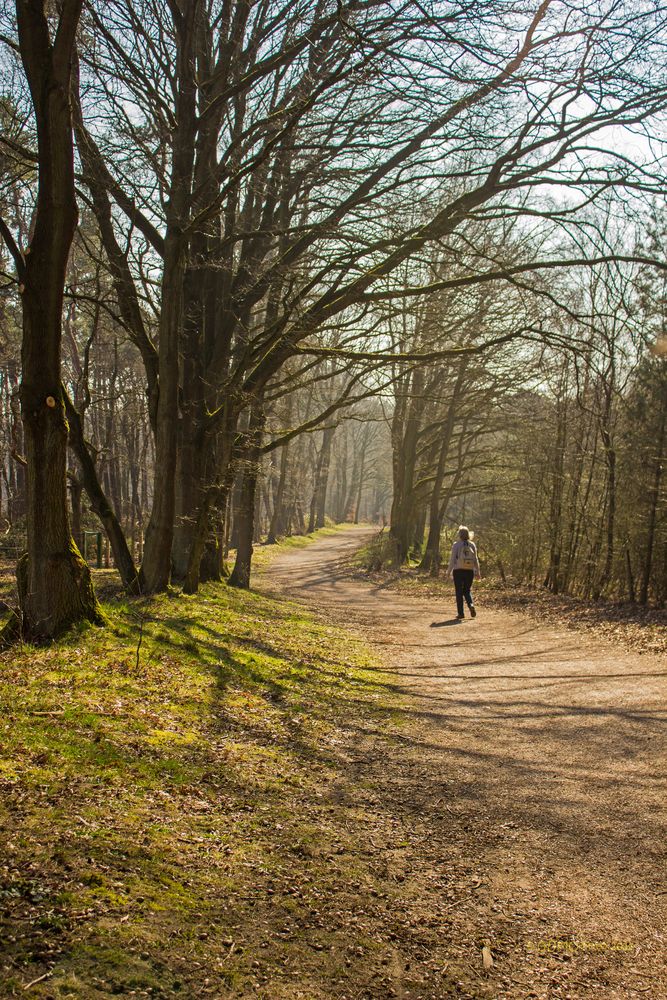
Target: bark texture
[156, 566]
[55, 588]
[99, 501]
[318, 502]
[245, 512]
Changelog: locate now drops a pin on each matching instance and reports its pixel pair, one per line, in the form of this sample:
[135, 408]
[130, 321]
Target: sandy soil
[524, 780]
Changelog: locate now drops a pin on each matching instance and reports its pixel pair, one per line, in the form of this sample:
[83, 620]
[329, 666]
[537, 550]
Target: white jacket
[455, 560]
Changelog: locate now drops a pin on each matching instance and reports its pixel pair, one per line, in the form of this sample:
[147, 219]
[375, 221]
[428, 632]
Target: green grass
[264, 554]
[164, 782]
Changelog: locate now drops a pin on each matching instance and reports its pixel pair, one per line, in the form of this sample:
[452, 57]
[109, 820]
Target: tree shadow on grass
[218, 647]
[329, 693]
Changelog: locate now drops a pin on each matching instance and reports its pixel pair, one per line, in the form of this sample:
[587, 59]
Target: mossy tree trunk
[212, 565]
[205, 557]
[55, 587]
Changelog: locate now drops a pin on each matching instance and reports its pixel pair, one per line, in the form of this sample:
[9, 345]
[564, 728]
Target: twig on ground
[38, 980]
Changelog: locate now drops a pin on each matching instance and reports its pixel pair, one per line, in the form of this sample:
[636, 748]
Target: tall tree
[248, 141]
[55, 587]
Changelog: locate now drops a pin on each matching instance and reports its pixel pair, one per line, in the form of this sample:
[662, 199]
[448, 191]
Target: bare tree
[55, 587]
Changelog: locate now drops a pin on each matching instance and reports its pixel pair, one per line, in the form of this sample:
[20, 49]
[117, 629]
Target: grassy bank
[170, 804]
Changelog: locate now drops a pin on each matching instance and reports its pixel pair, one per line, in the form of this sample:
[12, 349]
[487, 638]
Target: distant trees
[580, 503]
[446, 409]
[644, 457]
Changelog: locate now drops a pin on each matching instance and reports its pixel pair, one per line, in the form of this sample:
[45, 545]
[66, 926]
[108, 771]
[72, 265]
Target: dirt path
[526, 776]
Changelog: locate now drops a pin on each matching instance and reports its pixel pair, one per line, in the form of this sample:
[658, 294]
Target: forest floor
[327, 790]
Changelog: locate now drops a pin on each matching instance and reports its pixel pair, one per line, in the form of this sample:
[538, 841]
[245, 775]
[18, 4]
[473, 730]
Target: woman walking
[464, 567]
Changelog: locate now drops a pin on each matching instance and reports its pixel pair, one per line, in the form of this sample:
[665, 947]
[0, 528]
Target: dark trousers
[463, 583]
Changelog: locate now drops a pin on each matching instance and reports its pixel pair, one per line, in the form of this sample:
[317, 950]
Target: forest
[269, 268]
[397, 265]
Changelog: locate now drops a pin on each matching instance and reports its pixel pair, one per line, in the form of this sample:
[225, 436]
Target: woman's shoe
[473, 613]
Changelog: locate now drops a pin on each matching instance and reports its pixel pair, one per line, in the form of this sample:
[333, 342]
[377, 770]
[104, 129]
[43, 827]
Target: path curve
[533, 761]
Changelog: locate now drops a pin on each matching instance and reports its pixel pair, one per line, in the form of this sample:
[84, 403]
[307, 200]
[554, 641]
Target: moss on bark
[71, 597]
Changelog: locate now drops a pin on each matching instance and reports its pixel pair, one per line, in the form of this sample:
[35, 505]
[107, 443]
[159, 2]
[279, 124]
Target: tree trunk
[553, 578]
[17, 479]
[99, 502]
[654, 498]
[277, 526]
[75, 491]
[610, 521]
[418, 529]
[348, 505]
[404, 455]
[212, 566]
[206, 555]
[632, 594]
[245, 512]
[318, 502]
[190, 498]
[198, 544]
[360, 488]
[206, 552]
[193, 478]
[431, 558]
[156, 567]
[55, 586]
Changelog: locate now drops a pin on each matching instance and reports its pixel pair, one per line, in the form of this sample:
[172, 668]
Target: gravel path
[526, 776]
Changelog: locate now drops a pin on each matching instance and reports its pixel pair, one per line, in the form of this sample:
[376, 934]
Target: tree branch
[12, 246]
